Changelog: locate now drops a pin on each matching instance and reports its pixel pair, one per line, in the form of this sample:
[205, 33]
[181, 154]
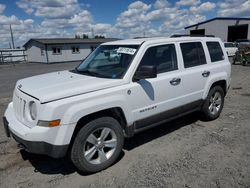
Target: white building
[61, 49]
[228, 29]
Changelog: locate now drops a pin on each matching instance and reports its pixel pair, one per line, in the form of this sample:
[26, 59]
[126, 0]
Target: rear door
[195, 71]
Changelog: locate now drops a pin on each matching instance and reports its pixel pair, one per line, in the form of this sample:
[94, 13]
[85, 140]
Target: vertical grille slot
[19, 107]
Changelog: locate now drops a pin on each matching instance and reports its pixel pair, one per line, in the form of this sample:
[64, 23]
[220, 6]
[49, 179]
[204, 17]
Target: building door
[237, 32]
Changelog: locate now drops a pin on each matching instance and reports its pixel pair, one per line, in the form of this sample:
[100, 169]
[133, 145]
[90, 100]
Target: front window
[108, 61]
[75, 50]
[56, 50]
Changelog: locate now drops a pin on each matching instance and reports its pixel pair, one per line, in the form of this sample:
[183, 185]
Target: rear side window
[163, 57]
[193, 54]
[215, 51]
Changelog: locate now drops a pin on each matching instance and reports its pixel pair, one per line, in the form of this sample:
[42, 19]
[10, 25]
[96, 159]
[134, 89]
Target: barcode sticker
[123, 50]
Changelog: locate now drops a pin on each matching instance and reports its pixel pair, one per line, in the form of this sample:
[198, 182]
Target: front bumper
[37, 147]
[53, 142]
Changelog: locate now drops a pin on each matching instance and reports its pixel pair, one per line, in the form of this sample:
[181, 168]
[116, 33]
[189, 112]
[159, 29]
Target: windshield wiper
[91, 73]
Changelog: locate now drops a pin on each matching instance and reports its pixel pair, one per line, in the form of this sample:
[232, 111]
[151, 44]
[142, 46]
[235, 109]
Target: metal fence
[12, 55]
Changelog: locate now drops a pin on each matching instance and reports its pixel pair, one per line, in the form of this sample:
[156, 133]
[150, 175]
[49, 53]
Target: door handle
[175, 81]
[206, 73]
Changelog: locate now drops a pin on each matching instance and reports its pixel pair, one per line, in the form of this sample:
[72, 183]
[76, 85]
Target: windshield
[108, 61]
[228, 45]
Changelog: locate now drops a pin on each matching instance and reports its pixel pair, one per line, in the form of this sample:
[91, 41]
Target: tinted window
[229, 45]
[215, 51]
[163, 57]
[193, 54]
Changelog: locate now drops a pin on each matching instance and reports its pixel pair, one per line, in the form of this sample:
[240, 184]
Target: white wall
[219, 28]
[34, 53]
[66, 52]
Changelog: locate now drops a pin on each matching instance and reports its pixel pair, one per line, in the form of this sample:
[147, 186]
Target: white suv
[88, 111]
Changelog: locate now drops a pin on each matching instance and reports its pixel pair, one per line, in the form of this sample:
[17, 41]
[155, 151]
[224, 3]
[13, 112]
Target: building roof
[70, 41]
[216, 18]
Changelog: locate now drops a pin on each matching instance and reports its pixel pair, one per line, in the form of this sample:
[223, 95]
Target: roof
[70, 40]
[158, 40]
[217, 18]
[136, 41]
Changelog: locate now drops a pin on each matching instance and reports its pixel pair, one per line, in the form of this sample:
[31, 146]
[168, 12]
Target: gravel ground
[186, 152]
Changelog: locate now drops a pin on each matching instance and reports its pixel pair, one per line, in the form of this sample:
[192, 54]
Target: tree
[77, 36]
[99, 37]
[85, 36]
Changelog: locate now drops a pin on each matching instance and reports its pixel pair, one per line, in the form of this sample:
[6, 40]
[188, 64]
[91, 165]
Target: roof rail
[193, 35]
[140, 37]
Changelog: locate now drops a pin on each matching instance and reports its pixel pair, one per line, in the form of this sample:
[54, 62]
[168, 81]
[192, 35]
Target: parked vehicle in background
[230, 48]
[243, 54]
[88, 111]
[242, 41]
[114, 56]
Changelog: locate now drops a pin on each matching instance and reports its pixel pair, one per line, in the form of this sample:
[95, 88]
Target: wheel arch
[218, 82]
[222, 84]
[114, 112]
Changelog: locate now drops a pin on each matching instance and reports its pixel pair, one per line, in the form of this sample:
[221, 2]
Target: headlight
[33, 110]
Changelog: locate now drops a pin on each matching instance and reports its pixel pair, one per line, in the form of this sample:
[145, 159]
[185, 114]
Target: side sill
[162, 117]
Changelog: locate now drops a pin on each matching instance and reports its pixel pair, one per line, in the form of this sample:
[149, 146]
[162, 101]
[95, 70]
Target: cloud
[50, 8]
[19, 27]
[159, 4]
[65, 18]
[2, 8]
[204, 7]
[135, 16]
[188, 2]
[139, 5]
[5, 20]
[240, 8]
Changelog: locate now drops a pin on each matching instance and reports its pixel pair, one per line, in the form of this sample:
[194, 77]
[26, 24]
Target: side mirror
[145, 72]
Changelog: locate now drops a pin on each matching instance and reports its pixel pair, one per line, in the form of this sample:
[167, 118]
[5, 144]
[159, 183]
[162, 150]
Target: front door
[150, 98]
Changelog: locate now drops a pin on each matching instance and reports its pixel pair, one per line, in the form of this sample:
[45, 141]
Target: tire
[97, 145]
[214, 103]
[234, 60]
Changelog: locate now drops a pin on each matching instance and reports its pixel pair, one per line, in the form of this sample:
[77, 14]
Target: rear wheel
[97, 145]
[214, 103]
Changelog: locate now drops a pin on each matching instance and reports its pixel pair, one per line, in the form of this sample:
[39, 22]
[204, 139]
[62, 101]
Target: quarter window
[163, 57]
[193, 54]
[215, 51]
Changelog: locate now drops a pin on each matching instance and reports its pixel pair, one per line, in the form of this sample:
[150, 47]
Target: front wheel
[214, 103]
[97, 145]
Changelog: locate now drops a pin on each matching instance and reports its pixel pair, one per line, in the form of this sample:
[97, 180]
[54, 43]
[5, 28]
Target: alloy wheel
[100, 145]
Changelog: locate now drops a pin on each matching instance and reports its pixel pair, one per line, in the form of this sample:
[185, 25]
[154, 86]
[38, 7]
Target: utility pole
[92, 33]
[12, 39]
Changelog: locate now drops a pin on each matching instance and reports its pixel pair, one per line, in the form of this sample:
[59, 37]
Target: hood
[58, 85]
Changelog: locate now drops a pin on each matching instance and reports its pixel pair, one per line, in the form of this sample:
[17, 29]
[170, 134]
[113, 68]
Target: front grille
[19, 106]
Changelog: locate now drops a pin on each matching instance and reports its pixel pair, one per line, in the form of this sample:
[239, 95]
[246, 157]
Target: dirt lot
[183, 153]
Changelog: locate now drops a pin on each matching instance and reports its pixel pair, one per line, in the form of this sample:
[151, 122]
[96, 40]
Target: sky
[111, 18]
